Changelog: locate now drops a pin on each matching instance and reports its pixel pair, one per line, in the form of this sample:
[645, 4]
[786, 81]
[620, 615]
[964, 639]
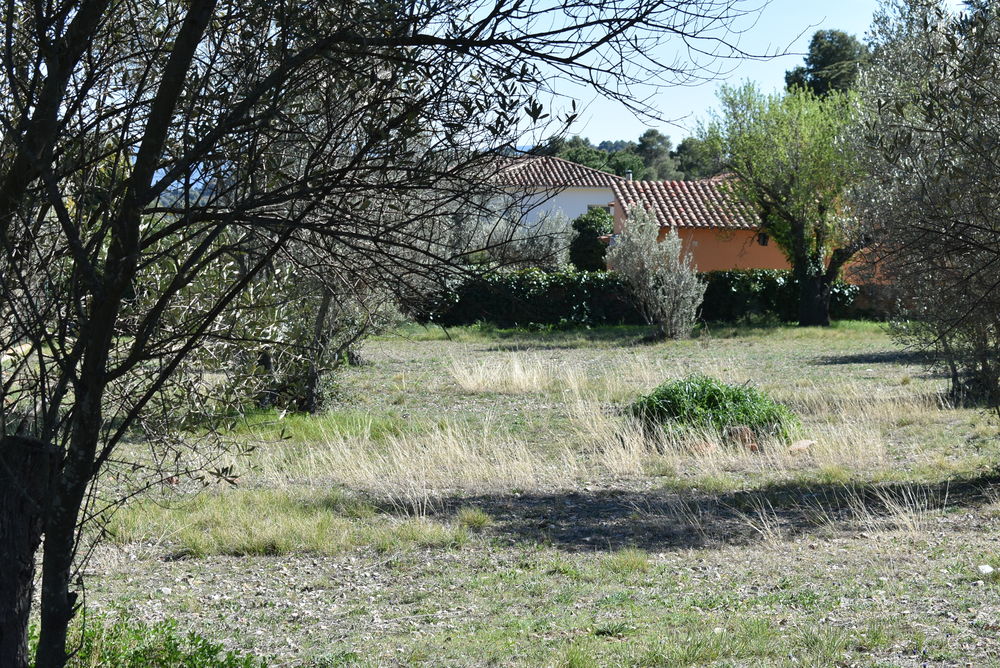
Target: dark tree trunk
[311, 399]
[26, 472]
[814, 301]
[268, 396]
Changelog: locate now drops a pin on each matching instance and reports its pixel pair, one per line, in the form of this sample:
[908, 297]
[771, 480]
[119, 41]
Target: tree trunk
[311, 399]
[26, 468]
[814, 301]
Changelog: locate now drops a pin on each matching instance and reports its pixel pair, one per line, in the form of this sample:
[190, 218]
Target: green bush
[121, 644]
[593, 298]
[535, 297]
[744, 294]
[704, 402]
[586, 251]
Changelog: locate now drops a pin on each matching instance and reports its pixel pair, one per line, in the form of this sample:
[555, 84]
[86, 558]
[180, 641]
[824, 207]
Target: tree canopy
[697, 158]
[929, 135]
[791, 164]
[651, 157]
[832, 64]
[586, 250]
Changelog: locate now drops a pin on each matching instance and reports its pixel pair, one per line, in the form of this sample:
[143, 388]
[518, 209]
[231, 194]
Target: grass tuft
[474, 519]
[104, 642]
[707, 403]
[627, 561]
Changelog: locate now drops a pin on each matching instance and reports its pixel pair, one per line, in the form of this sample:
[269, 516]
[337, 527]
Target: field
[478, 498]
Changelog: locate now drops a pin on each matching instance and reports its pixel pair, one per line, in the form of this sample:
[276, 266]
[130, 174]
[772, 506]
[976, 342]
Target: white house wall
[571, 202]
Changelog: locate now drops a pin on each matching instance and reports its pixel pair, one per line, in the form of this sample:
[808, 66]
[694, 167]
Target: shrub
[660, 275]
[701, 401]
[593, 298]
[742, 294]
[534, 297]
[586, 250]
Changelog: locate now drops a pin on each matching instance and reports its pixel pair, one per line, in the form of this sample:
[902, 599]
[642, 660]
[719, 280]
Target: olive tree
[793, 166]
[929, 133]
[160, 157]
[659, 272]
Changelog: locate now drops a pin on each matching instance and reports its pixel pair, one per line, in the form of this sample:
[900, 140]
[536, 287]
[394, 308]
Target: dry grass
[515, 374]
[847, 422]
[853, 399]
[412, 471]
[527, 373]
[414, 467]
[625, 448]
[844, 425]
[763, 520]
[626, 548]
[909, 510]
[248, 522]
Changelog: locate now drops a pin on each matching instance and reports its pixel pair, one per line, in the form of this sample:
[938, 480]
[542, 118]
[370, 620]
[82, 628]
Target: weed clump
[708, 403]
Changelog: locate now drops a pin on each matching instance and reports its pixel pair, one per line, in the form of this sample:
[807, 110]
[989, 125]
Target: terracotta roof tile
[701, 203]
[552, 172]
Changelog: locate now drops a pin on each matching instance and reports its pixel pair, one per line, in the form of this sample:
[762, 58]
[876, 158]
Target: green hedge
[535, 297]
[593, 298]
[732, 296]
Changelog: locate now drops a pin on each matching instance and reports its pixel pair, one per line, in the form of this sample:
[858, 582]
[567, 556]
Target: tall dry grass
[413, 470]
[623, 447]
[615, 379]
[844, 423]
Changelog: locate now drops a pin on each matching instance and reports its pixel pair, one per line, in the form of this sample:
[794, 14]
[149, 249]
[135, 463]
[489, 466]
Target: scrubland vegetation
[211, 212]
[487, 499]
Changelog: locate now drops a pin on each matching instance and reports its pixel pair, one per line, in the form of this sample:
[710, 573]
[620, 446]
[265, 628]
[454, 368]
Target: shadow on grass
[916, 357]
[666, 520]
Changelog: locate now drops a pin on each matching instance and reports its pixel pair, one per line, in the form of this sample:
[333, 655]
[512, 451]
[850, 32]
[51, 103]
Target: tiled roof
[702, 203]
[552, 172]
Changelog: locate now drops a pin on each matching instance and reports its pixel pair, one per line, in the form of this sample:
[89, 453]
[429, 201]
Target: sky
[784, 26]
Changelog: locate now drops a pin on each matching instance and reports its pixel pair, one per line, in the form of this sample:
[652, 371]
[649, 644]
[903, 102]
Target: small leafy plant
[705, 402]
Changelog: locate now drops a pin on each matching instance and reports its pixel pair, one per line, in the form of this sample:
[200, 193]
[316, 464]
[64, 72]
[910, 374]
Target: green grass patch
[707, 403]
[475, 519]
[105, 642]
[627, 561]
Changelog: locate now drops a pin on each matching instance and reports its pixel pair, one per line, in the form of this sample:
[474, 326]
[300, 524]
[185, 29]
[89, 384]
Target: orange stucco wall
[721, 249]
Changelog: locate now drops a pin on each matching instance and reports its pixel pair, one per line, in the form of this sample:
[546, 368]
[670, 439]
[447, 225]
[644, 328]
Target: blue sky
[783, 26]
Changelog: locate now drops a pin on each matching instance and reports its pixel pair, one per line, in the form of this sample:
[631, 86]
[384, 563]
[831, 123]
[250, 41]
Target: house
[720, 232]
[552, 185]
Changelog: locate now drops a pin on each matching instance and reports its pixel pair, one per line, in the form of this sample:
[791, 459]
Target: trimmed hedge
[732, 296]
[536, 297]
[593, 298]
